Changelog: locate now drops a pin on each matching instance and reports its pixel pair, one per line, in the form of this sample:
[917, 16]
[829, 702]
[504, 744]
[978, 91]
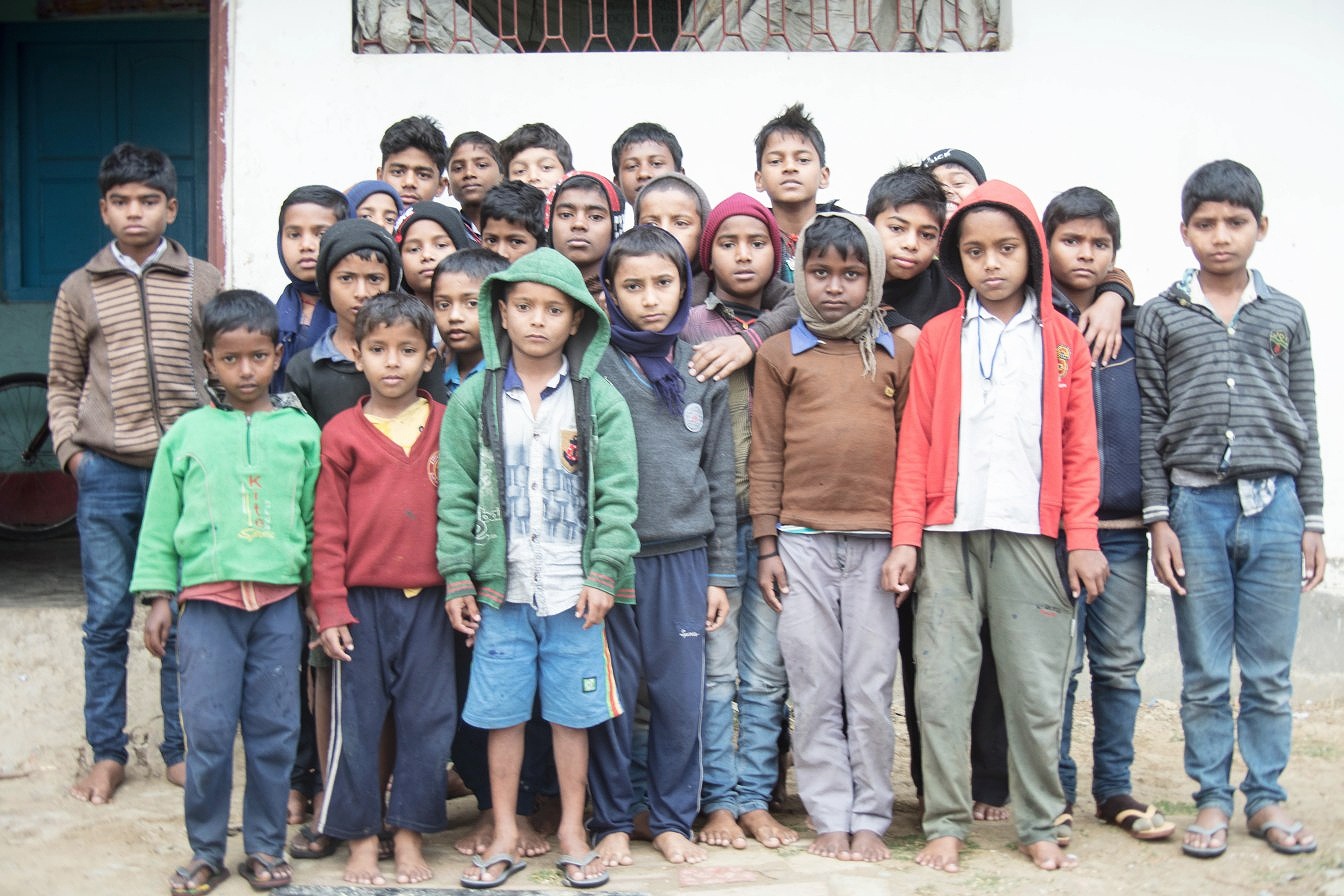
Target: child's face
[836, 284]
[379, 208]
[507, 239]
[909, 238]
[137, 214]
[424, 244]
[742, 260]
[301, 235]
[648, 290]
[244, 361]
[455, 315]
[995, 259]
[640, 163]
[413, 174]
[1082, 252]
[537, 166]
[393, 357]
[677, 212]
[581, 225]
[791, 172]
[1223, 236]
[472, 171]
[352, 282]
[539, 319]
[957, 182]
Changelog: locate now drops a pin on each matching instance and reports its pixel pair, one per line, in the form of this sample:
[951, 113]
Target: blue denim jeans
[111, 504]
[742, 660]
[1243, 579]
[1112, 633]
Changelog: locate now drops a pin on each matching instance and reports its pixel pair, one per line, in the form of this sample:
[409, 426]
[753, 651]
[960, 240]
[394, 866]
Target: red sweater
[376, 511]
[926, 464]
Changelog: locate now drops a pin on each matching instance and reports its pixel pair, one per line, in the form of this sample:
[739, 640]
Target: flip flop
[247, 870]
[1291, 830]
[312, 837]
[1063, 825]
[218, 874]
[564, 863]
[1142, 822]
[1205, 852]
[515, 865]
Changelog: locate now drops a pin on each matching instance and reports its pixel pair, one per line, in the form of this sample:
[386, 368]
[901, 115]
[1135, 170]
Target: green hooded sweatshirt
[472, 551]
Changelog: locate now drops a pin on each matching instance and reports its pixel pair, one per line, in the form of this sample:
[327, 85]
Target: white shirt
[130, 264]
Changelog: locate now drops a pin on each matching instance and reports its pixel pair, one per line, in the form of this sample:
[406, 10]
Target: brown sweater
[125, 357]
[823, 436]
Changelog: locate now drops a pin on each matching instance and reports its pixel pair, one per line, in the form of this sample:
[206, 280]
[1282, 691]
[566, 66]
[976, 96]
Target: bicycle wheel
[37, 500]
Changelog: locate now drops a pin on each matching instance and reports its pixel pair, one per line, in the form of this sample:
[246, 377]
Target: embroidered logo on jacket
[1062, 355]
[256, 511]
[432, 468]
[1278, 341]
[570, 456]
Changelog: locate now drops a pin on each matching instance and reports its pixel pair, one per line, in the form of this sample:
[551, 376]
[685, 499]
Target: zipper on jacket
[149, 356]
[247, 439]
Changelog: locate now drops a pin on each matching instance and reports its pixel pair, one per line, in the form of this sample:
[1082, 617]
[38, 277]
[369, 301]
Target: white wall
[1129, 98]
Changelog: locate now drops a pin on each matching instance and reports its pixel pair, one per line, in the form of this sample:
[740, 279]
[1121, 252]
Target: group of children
[561, 477]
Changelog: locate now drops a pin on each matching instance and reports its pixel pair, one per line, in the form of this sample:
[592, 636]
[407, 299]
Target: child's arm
[615, 500]
[909, 500]
[717, 607]
[1150, 367]
[1310, 479]
[157, 562]
[67, 366]
[718, 358]
[459, 470]
[1101, 322]
[720, 470]
[765, 470]
[331, 530]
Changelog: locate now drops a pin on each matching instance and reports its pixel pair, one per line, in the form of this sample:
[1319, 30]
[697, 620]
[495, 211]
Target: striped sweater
[1236, 402]
[125, 359]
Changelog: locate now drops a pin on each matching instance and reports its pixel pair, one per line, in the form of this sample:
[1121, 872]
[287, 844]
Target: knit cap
[701, 200]
[960, 157]
[353, 235]
[356, 195]
[615, 201]
[738, 204]
[447, 218]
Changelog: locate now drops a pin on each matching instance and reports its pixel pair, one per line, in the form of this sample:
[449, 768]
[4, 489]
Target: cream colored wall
[1129, 98]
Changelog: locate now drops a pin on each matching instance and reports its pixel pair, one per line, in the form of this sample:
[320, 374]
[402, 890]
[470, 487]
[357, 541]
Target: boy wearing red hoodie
[997, 460]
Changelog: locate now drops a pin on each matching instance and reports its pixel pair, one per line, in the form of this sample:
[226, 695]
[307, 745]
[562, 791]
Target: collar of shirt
[801, 339]
[1030, 311]
[453, 376]
[129, 263]
[514, 383]
[324, 349]
[1197, 296]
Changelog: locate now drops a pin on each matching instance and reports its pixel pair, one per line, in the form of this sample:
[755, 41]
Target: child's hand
[337, 643]
[158, 623]
[1088, 571]
[1101, 327]
[773, 578]
[717, 614]
[464, 616]
[898, 571]
[908, 332]
[719, 357]
[1313, 560]
[1167, 563]
[593, 606]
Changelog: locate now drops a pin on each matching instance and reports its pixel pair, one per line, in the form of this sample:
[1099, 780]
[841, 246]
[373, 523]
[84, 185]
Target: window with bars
[588, 26]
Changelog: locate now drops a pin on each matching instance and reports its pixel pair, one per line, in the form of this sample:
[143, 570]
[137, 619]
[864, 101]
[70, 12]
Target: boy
[742, 661]
[790, 169]
[957, 172]
[426, 233]
[474, 168]
[583, 215]
[1233, 497]
[677, 204]
[532, 573]
[376, 201]
[1082, 229]
[378, 597]
[106, 424]
[512, 219]
[415, 156]
[457, 287]
[536, 154]
[237, 565]
[643, 152]
[820, 518]
[998, 456]
[305, 215]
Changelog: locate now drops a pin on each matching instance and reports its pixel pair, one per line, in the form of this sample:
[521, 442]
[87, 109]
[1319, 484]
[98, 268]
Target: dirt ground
[54, 844]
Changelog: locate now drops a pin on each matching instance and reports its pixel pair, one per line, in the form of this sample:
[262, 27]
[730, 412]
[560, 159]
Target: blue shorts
[515, 647]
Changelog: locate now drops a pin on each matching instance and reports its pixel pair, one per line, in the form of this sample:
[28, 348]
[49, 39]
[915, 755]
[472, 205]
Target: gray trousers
[1012, 581]
[838, 634]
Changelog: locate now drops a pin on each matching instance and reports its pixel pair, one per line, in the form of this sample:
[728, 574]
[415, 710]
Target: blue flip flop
[1291, 830]
[564, 863]
[515, 865]
[1205, 852]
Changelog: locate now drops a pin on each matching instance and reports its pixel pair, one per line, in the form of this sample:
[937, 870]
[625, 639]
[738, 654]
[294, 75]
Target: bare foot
[1209, 819]
[296, 808]
[1274, 825]
[362, 867]
[531, 842]
[721, 830]
[763, 827]
[614, 849]
[101, 783]
[940, 854]
[411, 865]
[456, 786]
[546, 820]
[176, 774]
[677, 849]
[867, 846]
[495, 870]
[986, 812]
[478, 839]
[1047, 855]
[833, 845]
[642, 830]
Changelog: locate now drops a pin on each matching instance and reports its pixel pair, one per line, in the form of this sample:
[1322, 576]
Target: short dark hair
[388, 308]
[533, 135]
[834, 232]
[1082, 202]
[517, 203]
[1222, 181]
[417, 132]
[476, 262]
[793, 120]
[131, 164]
[645, 132]
[317, 194]
[476, 138]
[646, 239]
[907, 185]
[238, 309]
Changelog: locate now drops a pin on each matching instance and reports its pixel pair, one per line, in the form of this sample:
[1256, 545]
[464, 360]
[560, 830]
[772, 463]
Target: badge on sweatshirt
[694, 417]
[1278, 341]
[432, 468]
[569, 456]
[1062, 355]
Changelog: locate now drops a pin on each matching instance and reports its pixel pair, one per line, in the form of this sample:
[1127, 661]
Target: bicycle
[37, 499]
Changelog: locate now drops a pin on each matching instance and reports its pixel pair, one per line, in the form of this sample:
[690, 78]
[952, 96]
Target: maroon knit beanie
[738, 204]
